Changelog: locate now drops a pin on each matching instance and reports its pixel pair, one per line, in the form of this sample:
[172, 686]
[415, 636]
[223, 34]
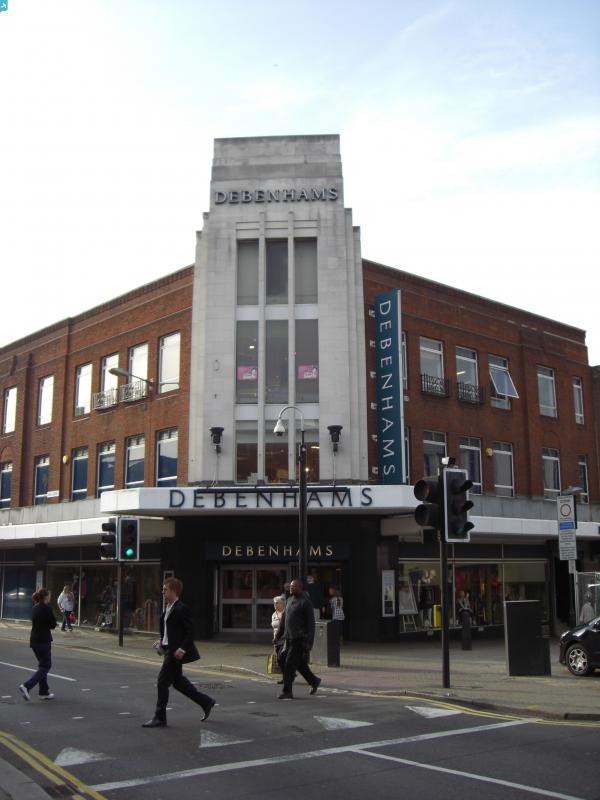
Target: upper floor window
[432, 367]
[108, 394]
[137, 362]
[106, 467]
[40, 481]
[277, 270]
[307, 361]
[10, 410]
[434, 449]
[246, 361]
[83, 389]
[546, 391]
[504, 483]
[46, 395]
[168, 366]
[277, 361]
[470, 459]
[246, 451]
[503, 387]
[79, 473]
[582, 468]
[551, 469]
[467, 379]
[305, 270]
[247, 273]
[6, 469]
[134, 461]
[578, 400]
[166, 458]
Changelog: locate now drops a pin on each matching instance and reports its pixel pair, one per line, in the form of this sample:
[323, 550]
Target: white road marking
[124, 713]
[431, 712]
[86, 690]
[329, 751]
[208, 739]
[77, 717]
[472, 775]
[70, 756]
[335, 723]
[28, 669]
[6, 696]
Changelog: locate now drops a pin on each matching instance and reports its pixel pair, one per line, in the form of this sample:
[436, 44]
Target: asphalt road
[337, 744]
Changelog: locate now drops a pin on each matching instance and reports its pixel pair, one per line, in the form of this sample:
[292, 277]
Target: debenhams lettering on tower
[276, 195]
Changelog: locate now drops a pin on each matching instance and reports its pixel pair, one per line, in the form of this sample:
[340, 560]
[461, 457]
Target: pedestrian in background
[176, 645]
[40, 640]
[66, 604]
[297, 629]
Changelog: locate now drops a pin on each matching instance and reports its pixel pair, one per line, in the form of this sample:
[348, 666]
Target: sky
[470, 136]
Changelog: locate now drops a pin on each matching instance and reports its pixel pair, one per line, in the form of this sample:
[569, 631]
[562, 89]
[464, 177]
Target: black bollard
[465, 619]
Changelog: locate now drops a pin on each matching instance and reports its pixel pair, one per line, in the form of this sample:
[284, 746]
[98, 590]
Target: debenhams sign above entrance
[280, 497]
[314, 193]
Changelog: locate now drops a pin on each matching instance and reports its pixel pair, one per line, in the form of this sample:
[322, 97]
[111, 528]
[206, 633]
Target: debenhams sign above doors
[311, 194]
[281, 497]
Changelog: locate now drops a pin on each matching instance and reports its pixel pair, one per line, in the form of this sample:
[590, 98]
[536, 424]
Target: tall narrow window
[83, 389]
[166, 458]
[6, 469]
[46, 396]
[246, 361]
[134, 461]
[277, 271]
[503, 469]
[305, 270]
[551, 470]
[168, 367]
[546, 391]
[277, 361]
[138, 361]
[40, 490]
[247, 273]
[10, 410]
[108, 394]
[470, 459]
[432, 367]
[578, 400]
[582, 468]
[467, 379]
[79, 473]
[106, 467]
[276, 455]
[434, 449]
[246, 451]
[502, 386]
[307, 361]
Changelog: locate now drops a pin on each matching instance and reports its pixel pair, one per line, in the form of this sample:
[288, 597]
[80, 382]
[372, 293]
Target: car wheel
[577, 660]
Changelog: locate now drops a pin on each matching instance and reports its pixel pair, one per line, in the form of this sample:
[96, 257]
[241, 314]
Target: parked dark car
[580, 648]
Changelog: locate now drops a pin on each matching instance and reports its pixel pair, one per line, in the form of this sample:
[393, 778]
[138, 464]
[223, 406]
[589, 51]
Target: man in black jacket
[176, 644]
[297, 627]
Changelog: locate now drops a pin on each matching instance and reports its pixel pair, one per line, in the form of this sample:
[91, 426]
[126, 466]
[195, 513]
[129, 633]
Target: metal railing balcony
[106, 399]
[136, 390]
[430, 384]
[470, 393]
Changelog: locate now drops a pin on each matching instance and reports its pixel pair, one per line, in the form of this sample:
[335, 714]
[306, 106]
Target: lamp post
[573, 491]
[279, 430]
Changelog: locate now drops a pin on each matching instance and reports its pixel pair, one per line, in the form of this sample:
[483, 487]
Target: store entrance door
[246, 597]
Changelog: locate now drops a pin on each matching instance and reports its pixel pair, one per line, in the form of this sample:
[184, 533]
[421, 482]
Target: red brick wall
[459, 319]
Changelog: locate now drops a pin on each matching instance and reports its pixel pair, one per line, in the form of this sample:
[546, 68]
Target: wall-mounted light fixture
[335, 432]
[216, 434]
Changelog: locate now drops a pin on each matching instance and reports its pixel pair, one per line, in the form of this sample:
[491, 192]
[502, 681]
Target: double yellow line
[58, 777]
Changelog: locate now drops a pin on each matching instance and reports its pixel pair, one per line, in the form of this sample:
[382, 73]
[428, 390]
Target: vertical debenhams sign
[390, 394]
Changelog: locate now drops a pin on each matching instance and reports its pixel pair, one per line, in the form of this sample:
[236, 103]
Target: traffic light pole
[445, 603]
[120, 601]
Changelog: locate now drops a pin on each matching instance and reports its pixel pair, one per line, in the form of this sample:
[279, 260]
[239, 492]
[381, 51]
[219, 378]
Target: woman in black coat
[40, 641]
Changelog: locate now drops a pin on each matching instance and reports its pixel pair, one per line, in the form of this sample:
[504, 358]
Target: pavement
[478, 677]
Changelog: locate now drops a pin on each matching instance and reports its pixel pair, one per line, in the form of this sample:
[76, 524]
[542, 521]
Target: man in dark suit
[176, 644]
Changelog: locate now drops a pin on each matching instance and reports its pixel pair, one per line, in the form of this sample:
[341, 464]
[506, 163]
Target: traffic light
[108, 540]
[428, 514]
[129, 539]
[457, 506]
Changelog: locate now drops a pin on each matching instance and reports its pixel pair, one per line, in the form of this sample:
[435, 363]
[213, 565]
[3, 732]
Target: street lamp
[279, 430]
[126, 374]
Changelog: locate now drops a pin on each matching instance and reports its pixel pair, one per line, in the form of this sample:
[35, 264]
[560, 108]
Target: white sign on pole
[567, 525]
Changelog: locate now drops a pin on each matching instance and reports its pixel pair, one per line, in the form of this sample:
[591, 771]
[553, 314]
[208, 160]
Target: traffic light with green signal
[108, 540]
[129, 539]
[429, 513]
[457, 506]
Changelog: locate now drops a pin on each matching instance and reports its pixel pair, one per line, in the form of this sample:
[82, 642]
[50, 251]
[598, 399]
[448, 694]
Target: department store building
[162, 403]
